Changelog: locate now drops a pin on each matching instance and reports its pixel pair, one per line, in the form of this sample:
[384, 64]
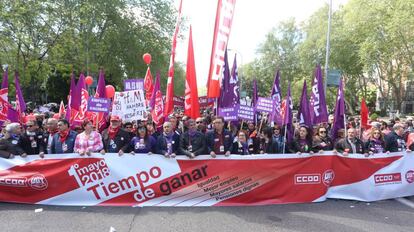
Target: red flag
[364, 115]
[62, 109]
[148, 85]
[4, 91]
[224, 18]
[191, 105]
[158, 104]
[169, 95]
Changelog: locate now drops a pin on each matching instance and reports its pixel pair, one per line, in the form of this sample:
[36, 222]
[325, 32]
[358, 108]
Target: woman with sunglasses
[321, 141]
[375, 143]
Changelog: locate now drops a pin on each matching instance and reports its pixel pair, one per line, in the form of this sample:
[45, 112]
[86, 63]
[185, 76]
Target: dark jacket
[238, 148]
[162, 144]
[32, 144]
[296, 146]
[47, 150]
[344, 145]
[375, 146]
[324, 144]
[197, 142]
[10, 146]
[57, 146]
[394, 142]
[212, 138]
[269, 148]
[120, 142]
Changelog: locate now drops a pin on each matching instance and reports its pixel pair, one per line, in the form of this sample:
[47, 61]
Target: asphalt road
[332, 215]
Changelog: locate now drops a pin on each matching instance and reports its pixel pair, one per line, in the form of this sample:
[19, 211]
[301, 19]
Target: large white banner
[153, 180]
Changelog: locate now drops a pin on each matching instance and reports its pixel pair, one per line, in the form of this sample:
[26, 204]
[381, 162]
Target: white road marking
[406, 202]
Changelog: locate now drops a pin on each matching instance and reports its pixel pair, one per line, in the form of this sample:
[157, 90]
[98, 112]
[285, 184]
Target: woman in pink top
[89, 140]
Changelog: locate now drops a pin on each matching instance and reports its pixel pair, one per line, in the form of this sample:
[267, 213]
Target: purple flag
[224, 99]
[12, 115]
[75, 95]
[277, 99]
[303, 113]
[339, 115]
[154, 92]
[100, 88]
[70, 105]
[288, 117]
[318, 109]
[234, 83]
[20, 103]
[255, 94]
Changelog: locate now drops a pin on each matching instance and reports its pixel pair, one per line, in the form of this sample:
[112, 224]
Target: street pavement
[332, 215]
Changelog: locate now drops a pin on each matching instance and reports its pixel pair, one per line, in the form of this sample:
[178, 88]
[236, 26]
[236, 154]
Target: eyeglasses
[199, 122]
[322, 132]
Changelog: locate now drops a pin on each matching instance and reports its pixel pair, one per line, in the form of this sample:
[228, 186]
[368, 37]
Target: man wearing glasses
[201, 125]
[219, 141]
[32, 139]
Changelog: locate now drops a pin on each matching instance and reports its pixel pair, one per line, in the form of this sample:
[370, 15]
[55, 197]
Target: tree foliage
[47, 39]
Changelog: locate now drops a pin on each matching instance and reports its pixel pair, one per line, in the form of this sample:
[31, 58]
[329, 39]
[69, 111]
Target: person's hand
[192, 156]
[102, 152]
[166, 155]
[370, 152]
[42, 155]
[132, 153]
[261, 152]
[388, 152]
[345, 153]
[120, 152]
[335, 152]
[24, 155]
[213, 154]
[227, 153]
[408, 150]
[298, 153]
[311, 152]
[11, 156]
[149, 153]
[320, 151]
[173, 155]
[88, 153]
[81, 153]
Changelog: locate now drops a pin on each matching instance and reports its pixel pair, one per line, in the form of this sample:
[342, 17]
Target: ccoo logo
[38, 182]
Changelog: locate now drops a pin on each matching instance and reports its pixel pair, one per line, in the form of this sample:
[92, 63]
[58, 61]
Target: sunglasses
[322, 132]
[29, 125]
[199, 122]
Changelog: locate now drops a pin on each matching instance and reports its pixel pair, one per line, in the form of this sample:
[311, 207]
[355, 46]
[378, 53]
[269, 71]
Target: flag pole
[284, 138]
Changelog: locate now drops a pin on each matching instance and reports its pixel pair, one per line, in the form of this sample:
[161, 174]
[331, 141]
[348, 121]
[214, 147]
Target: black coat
[162, 145]
[198, 144]
[343, 144]
[9, 147]
[238, 148]
[394, 142]
[295, 146]
[120, 142]
[318, 141]
[33, 144]
[211, 137]
[269, 148]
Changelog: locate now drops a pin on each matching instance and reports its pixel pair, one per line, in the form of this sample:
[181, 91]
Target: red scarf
[112, 132]
[63, 135]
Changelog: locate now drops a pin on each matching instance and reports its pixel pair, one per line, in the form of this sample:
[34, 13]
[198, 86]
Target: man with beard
[192, 142]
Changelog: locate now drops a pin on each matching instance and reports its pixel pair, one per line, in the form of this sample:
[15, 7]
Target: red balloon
[147, 58]
[89, 80]
[110, 91]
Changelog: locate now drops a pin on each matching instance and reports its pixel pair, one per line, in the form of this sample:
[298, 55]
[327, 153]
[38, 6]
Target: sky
[251, 22]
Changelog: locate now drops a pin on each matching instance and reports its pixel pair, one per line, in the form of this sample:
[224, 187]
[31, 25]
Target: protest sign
[246, 113]
[133, 84]
[99, 104]
[129, 105]
[265, 105]
[229, 113]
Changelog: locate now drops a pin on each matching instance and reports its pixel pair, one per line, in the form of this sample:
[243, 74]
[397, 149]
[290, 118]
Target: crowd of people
[207, 135]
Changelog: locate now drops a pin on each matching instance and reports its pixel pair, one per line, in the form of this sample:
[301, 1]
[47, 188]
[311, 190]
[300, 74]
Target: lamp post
[328, 45]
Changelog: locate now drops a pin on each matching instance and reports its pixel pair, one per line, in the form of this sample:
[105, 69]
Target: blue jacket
[161, 146]
[227, 140]
[57, 146]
